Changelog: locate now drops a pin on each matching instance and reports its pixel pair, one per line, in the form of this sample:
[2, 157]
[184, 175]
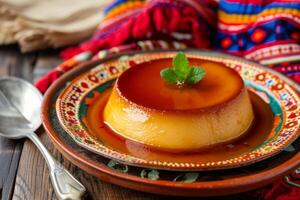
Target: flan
[143, 108]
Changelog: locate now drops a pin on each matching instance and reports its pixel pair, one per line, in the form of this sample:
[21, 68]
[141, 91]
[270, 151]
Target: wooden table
[23, 173]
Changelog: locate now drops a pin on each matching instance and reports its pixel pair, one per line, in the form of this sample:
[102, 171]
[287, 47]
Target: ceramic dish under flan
[273, 97]
[208, 183]
[143, 108]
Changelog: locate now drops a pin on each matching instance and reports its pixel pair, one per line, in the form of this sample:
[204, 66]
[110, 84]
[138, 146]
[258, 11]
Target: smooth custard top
[143, 86]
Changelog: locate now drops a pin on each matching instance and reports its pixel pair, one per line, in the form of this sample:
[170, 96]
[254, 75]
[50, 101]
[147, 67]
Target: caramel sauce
[219, 85]
[257, 133]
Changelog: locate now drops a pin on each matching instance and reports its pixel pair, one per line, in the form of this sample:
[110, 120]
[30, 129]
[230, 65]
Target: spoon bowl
[20, 104]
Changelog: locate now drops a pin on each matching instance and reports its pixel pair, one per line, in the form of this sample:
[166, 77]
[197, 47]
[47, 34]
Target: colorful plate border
[264, 79]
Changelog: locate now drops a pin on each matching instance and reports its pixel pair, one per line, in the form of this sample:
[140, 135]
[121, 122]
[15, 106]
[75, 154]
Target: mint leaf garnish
[195, 75]
[182, 73]
[169, 76]
[181, 64]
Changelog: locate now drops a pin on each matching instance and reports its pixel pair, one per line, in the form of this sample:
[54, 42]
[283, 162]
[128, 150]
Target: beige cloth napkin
[40, 24]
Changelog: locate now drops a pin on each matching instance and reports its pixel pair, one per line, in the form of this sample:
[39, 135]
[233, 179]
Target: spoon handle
[65, 185]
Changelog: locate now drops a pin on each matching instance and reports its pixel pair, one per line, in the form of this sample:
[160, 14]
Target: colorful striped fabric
[259, 31]
[266, 31]
[188, 21]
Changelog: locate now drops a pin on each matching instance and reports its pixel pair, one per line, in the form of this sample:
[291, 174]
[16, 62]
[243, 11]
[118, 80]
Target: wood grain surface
[23, 173]
[12, 62]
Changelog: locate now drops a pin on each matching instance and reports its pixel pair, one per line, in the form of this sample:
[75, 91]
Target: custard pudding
[143, 108]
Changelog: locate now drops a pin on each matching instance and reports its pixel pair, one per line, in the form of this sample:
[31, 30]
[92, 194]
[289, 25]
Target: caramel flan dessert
[194, 105]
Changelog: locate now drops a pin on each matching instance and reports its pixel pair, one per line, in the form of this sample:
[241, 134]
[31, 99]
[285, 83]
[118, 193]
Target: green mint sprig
[182, 73]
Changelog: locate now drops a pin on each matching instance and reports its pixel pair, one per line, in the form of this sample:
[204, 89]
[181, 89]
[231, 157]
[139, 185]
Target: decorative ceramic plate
[274, 99]
[207, 183]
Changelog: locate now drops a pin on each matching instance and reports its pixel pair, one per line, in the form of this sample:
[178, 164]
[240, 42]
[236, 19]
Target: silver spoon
[20, 104]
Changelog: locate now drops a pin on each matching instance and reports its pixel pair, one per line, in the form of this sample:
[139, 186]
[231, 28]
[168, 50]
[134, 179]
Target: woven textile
[188, 21]
[264, 31]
